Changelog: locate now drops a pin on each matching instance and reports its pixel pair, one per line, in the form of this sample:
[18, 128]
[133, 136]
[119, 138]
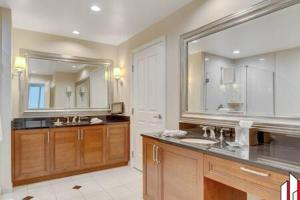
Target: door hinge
[132, 154]
[132, 111]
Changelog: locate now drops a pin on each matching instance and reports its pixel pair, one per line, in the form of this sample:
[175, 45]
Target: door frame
[161, 39]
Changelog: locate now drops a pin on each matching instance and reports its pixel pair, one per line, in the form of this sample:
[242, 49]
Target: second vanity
[42, 151]
[174, 169]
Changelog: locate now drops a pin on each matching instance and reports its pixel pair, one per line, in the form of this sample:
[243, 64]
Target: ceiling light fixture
[236, 52]
[95, 8]
[76, 32]
[261, 59]
[74, 66]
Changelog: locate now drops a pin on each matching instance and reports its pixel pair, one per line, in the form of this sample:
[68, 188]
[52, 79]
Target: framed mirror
[245, 66]
[66, 83]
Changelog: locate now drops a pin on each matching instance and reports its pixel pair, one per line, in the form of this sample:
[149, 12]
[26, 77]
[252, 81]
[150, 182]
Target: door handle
[158, 116]
[254, 172]
[48, 137]
[153, 153]
[157, 155]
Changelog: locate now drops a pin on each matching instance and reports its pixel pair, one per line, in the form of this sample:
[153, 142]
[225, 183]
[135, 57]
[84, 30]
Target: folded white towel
[174, 133]
[96, 121]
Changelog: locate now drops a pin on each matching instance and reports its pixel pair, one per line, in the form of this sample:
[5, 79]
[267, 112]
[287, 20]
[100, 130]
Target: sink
[198, 141]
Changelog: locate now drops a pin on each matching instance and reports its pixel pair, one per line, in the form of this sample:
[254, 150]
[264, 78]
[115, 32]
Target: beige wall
[55, 44]
[192, 16]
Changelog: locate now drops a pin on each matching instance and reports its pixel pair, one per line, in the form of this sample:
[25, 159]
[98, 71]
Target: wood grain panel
[65, 149]
[31, 153]
[213, 188]
[150, 171]
[92, 146]
[117, 143]
[180, 172]
[267, 185]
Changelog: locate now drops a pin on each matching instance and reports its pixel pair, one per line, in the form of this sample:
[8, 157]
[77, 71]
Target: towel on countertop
[174, 133]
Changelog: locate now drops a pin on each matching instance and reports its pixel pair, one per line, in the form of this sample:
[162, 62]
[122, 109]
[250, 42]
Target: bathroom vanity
[42, 151]
[243, 67]
[174, 169]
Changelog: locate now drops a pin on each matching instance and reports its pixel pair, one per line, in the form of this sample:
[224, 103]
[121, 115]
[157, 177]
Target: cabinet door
[150, 170]
[180, 173]
[117, 144]
[92, 146]
[65, 149]
[31, 153]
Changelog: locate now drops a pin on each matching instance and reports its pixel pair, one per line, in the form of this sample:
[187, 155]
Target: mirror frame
[63, 58]
[283, 125]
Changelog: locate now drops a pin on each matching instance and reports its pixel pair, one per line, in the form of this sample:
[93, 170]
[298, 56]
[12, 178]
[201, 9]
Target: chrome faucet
[204, 128]
[74, 120]
[222, 133]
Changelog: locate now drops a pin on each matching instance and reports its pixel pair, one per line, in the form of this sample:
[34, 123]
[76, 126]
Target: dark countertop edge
[227, 157]
[48, 122]
[70, 126]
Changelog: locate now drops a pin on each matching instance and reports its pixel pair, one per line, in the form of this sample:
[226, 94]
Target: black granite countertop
[48, 122]
[281, 155]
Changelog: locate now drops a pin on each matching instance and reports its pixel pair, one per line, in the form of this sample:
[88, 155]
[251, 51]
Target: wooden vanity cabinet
[117, 143]
[42, 154]
[31, 150]
[150, 170]
[171, 172]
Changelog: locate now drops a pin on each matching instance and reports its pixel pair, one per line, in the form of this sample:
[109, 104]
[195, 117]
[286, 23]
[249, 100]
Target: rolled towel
[174, 133]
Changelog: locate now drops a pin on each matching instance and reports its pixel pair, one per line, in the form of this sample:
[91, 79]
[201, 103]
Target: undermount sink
[198, 141]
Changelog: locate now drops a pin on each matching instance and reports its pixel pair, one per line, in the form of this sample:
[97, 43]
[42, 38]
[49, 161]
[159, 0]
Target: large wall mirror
[57, 82]
[245, 65]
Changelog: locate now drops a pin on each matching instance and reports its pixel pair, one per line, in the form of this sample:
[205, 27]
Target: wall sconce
[82, 92]
[117, 76]
[20, 65]
[69, 91]
[117, 73]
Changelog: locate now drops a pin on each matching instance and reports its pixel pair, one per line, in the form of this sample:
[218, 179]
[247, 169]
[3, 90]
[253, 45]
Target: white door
[149, 90]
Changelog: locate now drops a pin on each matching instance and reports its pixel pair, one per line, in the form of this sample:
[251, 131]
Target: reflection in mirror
[250, 69]
[60, 85]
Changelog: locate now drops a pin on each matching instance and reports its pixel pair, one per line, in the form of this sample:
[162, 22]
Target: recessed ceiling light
[76, 32]
[261, 59]
[236, 52]
[95, 8]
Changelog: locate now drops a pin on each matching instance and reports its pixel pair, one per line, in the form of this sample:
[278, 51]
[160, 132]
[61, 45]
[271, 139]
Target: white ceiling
[118, 20]
[50, 67]
[271, 33]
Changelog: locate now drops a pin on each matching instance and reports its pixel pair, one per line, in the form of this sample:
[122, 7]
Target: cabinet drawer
[217, 167]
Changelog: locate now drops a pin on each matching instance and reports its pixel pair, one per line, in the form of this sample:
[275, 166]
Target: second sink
[198, 141]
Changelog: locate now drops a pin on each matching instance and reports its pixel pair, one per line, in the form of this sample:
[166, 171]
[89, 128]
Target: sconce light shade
[20, 63]
[117, 73]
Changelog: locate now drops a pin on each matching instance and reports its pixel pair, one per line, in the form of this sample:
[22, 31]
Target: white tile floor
[124, 183]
